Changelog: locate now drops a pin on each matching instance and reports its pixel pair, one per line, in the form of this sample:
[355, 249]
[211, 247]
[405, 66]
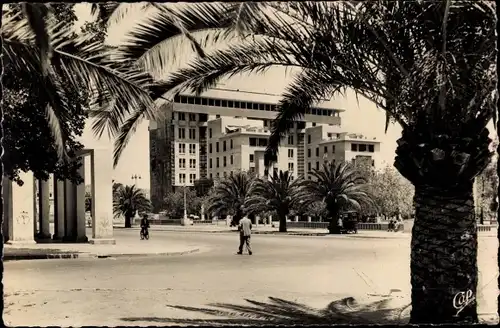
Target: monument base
[21, 242]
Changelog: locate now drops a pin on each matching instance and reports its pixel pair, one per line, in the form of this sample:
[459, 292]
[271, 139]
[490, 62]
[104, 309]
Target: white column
[59, 212]
[44, 209]
[296, 218]
[81, 234]
[69, 211]
[309, 219]
[202, 214]
[102, 196]
[36, 211]
[19, 209]
[270, 220]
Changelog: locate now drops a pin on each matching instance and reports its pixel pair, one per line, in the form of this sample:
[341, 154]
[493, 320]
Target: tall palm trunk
[128, 219]
[282, 218]
[498, 207]
[443, 256]
[1, 182]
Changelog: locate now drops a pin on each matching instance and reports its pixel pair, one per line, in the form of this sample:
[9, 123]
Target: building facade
[202, 138]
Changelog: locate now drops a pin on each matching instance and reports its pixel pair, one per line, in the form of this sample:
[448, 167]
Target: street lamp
[136, 177]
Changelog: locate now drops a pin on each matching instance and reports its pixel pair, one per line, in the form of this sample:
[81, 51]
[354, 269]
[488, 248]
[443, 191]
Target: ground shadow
[279, 311]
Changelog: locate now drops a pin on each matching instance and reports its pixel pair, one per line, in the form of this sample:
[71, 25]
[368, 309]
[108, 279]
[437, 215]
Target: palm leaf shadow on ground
[279, 311]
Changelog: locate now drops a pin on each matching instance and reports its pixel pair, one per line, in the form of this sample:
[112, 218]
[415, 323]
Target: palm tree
[339, 186]
[431, 67]
[276, 194]
[230, 195]
[128, 201]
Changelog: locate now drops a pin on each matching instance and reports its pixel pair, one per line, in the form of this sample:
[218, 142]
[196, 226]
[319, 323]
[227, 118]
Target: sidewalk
[63, 250]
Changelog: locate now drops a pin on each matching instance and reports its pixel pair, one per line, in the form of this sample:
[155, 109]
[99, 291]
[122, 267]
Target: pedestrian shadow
[279, 311]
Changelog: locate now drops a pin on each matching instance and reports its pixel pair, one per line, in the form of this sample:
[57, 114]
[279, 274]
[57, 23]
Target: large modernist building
[202, 138]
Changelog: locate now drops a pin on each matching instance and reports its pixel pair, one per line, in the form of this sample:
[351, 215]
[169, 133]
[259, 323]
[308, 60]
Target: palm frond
[36, 14]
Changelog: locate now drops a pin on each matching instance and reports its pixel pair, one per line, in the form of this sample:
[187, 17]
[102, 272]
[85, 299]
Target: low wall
[407, 225]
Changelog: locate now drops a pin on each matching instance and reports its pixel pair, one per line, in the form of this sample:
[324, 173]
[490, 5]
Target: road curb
[77, 255]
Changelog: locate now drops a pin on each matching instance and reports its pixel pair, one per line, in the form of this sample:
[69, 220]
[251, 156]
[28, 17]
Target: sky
[359, 117]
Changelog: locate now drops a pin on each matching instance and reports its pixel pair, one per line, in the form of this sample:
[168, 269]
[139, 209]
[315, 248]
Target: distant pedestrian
[245, 228]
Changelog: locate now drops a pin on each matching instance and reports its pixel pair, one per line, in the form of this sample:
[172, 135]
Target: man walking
[245, 228]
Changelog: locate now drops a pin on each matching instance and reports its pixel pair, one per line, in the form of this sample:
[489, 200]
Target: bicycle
[144, 234]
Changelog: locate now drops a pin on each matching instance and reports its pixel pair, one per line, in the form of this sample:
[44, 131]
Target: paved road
[136, 291]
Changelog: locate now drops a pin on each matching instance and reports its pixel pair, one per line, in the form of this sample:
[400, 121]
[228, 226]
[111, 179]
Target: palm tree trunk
[1, 183]
[282, 218]
[498, 207]
[128, 221]
[444, 257]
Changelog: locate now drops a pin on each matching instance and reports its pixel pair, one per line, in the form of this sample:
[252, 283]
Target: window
[314, 124]
[210, 133]
[182, 148]
[190, 100]
[362, 147]
[192, 117]
[211, 176]
[373, 162]
[308, 152]
[317, 151]
[224, 145]
[192, 163]
[182, 133]
[333, 149]
[262, 142]
[231, 159]
[371, 148]
[265, 123]
[308, 138]
[354, 147]
[217, 147]
[326, 150]
[192, 177]
[290, 153]
[252, 142]
[182, 163]
[290, 167]
[181, 116]
[204, 101]
[211, 102]
[209, 148]
[309, 166]
[252, 169]
[192, 149]
[251, 158]
[182, 178]
[290, 140]
[224, 161]
[217, 102]
[210, 163]
[217, 175]
[217, 162]
[225, 174]
[231, 143]
[192, 134]
[317, 165]
[217, 116]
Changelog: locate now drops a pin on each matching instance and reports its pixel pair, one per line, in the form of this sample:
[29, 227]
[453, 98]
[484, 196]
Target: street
[313, 271]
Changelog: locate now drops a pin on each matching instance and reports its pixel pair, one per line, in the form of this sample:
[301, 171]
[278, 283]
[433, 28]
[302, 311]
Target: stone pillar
[18, 208]
[81, 233]
[59, 212]
[270, 220]
[296, 218]
[202, 214]
[69, 211]
[44, 209]
[309, 219]
[102, 196]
